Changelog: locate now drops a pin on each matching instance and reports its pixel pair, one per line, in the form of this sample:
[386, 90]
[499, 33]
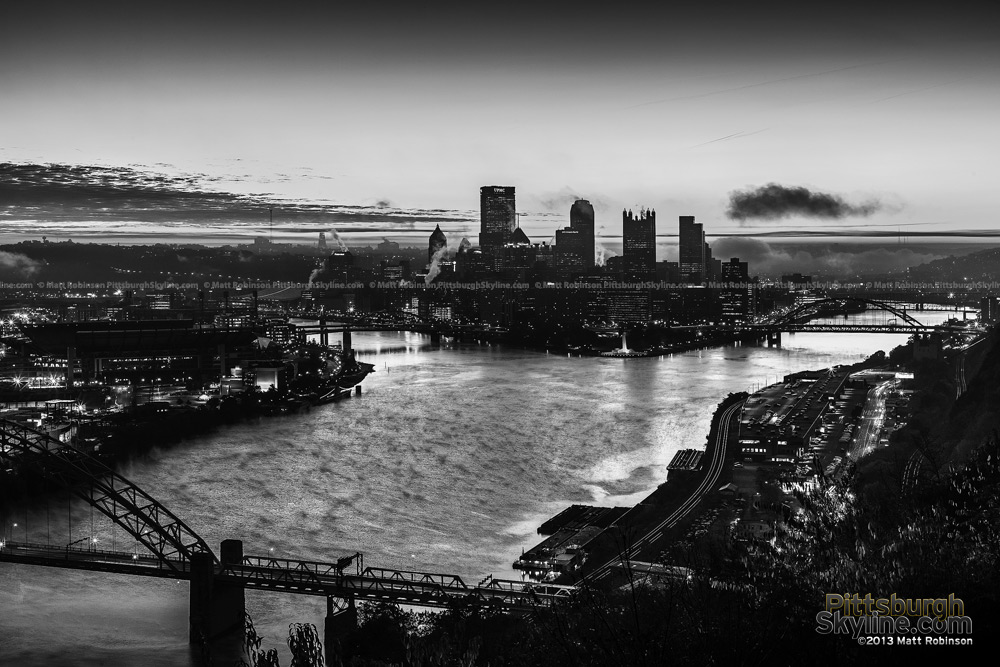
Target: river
[447, 462]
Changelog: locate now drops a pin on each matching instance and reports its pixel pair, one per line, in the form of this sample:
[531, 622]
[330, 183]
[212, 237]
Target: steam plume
[20, 265]
[435, 269]
[336, 237]
[600, 254]
[314, 275]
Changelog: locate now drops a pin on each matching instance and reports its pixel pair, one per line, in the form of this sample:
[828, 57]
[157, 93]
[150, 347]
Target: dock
[569, 533]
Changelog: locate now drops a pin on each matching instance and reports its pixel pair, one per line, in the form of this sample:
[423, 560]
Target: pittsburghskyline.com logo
[895, 620]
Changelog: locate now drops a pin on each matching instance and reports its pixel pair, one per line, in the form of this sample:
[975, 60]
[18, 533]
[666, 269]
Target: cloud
[62, 193]
[106, 187]
[773, 201]
[830, 260]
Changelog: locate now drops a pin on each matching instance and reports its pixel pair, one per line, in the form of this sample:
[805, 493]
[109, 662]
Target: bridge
[165, 547]
[345, 326]
[894, 319]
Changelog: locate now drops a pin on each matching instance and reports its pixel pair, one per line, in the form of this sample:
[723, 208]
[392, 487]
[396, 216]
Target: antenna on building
[270, 225]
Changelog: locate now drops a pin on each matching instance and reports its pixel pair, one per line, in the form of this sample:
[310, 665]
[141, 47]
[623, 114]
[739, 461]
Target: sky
[412, 107]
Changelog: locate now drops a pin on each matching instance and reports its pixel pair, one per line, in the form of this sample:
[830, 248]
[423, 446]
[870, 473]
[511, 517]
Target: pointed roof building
[519, 237]
[436, 242]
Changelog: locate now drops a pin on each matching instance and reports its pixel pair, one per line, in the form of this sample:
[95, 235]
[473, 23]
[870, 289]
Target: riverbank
[416, 476]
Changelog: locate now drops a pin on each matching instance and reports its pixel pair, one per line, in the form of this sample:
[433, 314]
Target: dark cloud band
[774, 201]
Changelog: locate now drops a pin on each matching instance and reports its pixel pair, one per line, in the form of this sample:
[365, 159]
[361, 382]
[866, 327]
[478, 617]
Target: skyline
[673, 110]
[125, 205]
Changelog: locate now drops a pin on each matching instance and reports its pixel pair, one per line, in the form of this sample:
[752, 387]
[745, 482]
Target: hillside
[979, 266]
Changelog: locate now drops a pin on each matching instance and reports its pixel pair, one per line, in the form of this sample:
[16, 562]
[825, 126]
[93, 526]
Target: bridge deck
[305, 577]
[849, 328]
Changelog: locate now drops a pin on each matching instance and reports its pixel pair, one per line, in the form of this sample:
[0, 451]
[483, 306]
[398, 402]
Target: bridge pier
[435, 338]
[346, 342]
[218, 608]
[324, 333]
[70, 363]
[340, 623]
[774, 339]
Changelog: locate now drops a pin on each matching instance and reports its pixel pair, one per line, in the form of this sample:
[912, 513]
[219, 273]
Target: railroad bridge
[164, 546]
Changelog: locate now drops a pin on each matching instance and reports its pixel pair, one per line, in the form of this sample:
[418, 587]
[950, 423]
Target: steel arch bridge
[128, 506]
[791, 317]
[177, 552]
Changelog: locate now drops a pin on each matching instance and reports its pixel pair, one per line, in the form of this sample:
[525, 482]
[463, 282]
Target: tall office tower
[639, 244]
[322, 240]
[340, 265]
[498, 216]
[735, 271]
[581, 217]
[713, 266]
[737, 297]
[691, 251]
[436, 242]
[572, 252]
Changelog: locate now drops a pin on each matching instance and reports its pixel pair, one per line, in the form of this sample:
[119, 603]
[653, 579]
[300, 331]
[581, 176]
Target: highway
[707, 484]
[870, 426]
[961, 381]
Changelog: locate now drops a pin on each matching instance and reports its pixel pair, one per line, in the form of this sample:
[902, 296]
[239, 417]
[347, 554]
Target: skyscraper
[691, 250]
[737, 297]
[498, 218]
[581, 217]
[518, 255]
[571, 252]
[713, 266]
[639, 244]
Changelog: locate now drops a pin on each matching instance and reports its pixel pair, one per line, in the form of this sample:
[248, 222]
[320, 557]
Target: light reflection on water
[448, 462]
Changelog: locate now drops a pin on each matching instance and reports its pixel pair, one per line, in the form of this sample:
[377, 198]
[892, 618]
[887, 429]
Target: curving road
[961, 381]
[870, 425]
[706, 485]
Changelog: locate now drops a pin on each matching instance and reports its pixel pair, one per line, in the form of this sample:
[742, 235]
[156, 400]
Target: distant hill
[979, 266]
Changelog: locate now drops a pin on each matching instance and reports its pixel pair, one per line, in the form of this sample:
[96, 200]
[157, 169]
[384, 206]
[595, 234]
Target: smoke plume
[560, 201]
[435, 269]
[336, 237]
[18, 265]
[773, 201]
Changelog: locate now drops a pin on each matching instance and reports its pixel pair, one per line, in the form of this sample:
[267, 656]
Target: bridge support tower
[218, 608]
[435, 338]
[774, 339]
[341, 622]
